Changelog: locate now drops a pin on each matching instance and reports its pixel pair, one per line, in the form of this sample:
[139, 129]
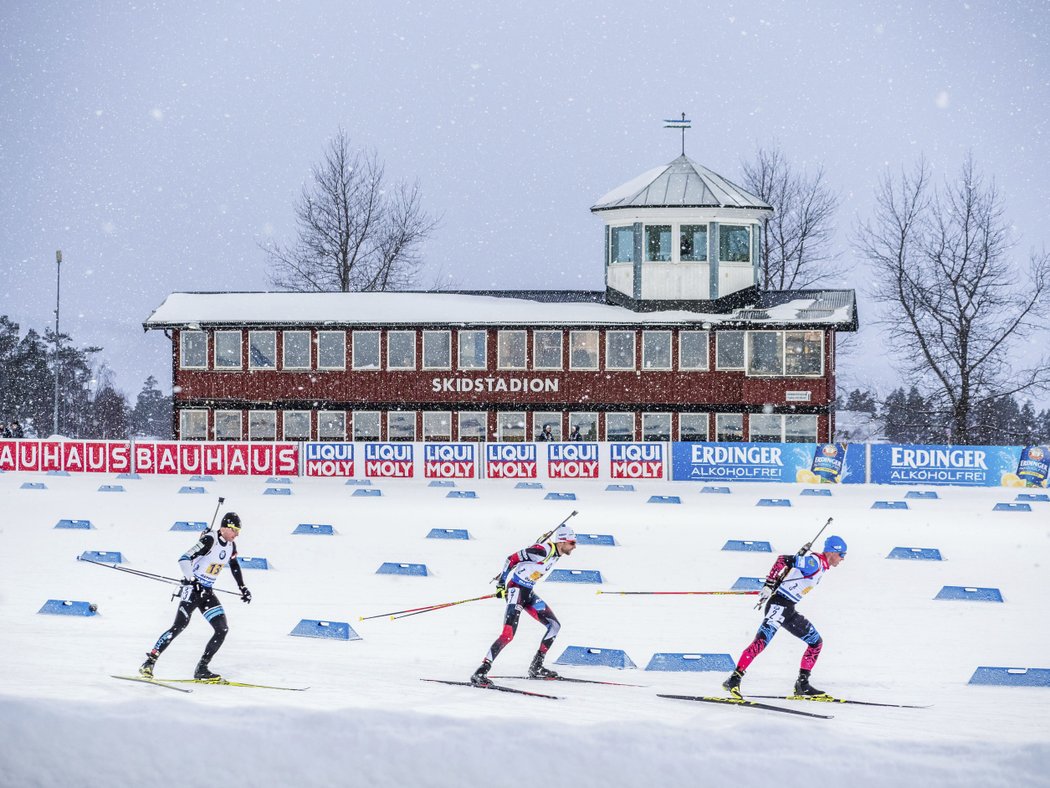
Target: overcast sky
[159, 144]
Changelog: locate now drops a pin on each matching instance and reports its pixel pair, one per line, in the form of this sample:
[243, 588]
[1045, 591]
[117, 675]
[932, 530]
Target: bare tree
[796, 240]
[355, 232]
[956, 307]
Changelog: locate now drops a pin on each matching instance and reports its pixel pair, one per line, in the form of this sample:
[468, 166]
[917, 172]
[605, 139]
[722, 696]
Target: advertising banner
[230, 459]
[450, 460]
[390, 460]
[803, 463]
[329, 459]
[74, 456]
[510, 460]
[636, 460]
[572, 460]
[960, 466]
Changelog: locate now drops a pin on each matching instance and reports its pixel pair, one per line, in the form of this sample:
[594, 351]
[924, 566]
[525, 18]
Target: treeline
[89, 405]
[908, 417]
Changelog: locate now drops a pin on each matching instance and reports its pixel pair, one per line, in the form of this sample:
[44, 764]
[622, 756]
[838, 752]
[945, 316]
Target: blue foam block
[329, 630]
[391, 568]
[595, 657]
[715, 490]
[58, 473]
[1012, 507]
[553, 496]
[1032, 497]
[970, 593]
[671, 662]
[916, 553]
[528, 486]
[102, 556]
[595, 539]
[1011, 677]
[359, 482]
[277, 491]
[66, 607]
[575, 576]
[773, 502]
[33, 486]
[442, 483]
[278, 480]
[201, 478]
[192, 491]
[448, 533]
[314, 529]
[619, 488]
[188, 525]
[111, 488]
[664, 499]
[461, 494]
[84, 525]
[748, 584]
[823, 492]
[377, 493]
[130, 476]
[890, 505]
[248, 562]
[922, 495]
[746, 546]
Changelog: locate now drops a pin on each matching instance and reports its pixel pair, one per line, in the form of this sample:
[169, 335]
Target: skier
[521, 571]
[778, 600]
[200, 566]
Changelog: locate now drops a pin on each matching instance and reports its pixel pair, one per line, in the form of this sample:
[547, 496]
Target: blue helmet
[835, 544]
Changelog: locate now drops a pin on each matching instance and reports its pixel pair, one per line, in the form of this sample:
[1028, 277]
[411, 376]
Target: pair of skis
[516, 691]
[170, 683]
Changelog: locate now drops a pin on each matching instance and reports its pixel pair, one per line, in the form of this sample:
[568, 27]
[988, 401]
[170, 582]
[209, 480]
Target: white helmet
[563, 534]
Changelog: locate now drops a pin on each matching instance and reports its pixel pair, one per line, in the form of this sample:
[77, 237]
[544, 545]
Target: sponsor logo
[510, 460]
[389, 460]
[572, 460]
[449, 460]
[329, 459]
[636, 460]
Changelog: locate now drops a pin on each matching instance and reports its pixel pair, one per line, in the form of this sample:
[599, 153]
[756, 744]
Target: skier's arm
[235, 570]
[186, 561]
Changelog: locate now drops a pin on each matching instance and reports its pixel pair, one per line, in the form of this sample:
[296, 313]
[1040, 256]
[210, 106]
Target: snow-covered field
[368, 720]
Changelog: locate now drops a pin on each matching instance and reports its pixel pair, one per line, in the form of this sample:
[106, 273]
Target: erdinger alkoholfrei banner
[74, 456]
[806, 463]
[960, 466]
[257, 458]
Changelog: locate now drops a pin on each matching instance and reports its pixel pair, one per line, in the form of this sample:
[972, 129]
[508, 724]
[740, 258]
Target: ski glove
[246, 595]
[501, 591]
[764, 596]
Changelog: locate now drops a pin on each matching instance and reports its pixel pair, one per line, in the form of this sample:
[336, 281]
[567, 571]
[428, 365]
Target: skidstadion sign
[494, 385]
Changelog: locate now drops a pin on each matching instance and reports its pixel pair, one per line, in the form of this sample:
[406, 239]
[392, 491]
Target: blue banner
[803, 463]
[960, 466]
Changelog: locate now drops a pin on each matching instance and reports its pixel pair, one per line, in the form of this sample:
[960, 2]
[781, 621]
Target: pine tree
[152, 412]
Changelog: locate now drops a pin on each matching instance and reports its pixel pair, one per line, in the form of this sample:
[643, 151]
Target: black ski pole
[147, 575]
[544, 538]
[801, 552]
[214, 515]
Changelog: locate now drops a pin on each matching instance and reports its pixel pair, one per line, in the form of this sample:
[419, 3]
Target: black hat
[231, 520]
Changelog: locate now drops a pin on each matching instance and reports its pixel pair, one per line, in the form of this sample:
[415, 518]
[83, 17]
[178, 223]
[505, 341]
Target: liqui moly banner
[390, 460]
[572, 460]
[510, 460]
[329, 459]
[450, 460]
[804, 463]
[230, 459]
[966, 466]
[74, 456]
[636, 460]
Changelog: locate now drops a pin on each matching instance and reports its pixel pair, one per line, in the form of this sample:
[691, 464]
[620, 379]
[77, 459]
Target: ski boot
[480, 678]
[202, 673]
[732, 684]
[146, 669]
[804, 689]
[537, 671]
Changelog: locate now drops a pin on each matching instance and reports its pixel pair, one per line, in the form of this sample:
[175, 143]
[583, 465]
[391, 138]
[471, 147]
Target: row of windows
[734, 243]
[773, 353]
[509, 426]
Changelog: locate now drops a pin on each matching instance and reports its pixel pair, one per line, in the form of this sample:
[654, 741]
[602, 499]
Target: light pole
[58, 301]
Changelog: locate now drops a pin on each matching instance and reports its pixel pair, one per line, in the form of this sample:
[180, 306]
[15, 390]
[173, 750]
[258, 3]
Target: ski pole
[432, 608]
[801, 552]
[679, 593]
[424, 609]
[544, 538]
[147, 575]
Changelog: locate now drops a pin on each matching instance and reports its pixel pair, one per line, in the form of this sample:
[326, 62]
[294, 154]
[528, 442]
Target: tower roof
[681, 184]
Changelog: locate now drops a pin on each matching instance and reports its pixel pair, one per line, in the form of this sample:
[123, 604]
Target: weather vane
[682, 124]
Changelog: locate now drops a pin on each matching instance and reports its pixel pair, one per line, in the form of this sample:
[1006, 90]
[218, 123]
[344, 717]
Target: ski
[747, 704]
[831, 699]
[154, 682]
[222, 682]
[574, 681]
[496, 687]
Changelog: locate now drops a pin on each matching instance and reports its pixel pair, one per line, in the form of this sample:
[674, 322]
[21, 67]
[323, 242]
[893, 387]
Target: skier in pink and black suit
[778, 601]
[521, 572]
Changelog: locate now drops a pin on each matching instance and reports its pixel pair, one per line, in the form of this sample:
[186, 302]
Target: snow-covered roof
[681, 184]
[189, 310]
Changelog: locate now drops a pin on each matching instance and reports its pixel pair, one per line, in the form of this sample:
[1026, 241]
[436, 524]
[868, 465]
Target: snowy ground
[368, 720]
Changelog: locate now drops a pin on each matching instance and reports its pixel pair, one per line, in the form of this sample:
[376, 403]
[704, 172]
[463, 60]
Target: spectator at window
[547, 434]
[16, 430]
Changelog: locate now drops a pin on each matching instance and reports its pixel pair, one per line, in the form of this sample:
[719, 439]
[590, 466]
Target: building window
[800, 429]
[437, 426]
[540, 422]
[656, 426]
[766, 428]
[366, 350]
[331, 425]
[546, 350]
[262, 350]
[692, 427]
[366, 425]
[401, 350]
[656, 350]
[583, 426]
[401, 425]
[692, 242]
[510, 427]
[729, 350]
[296, 351]
[296, 425]
[193, 425]
[583, 350]
[619, 426]
[734, 243]
[331, 350]
[437, 350]
[472, 426]
[472, 350]
[621, 244]
[228, 425]
[510, 350]
[692, 350]
[658, 243]
[262, 425]
[803, 353]
[227, 349]
[729, 427]
[765, 353]
[619, 350]
[193, 351]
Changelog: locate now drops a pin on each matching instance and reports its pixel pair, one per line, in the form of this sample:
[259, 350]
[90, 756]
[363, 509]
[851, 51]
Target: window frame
[760, 417]
[616, 248]
[182, 349]
[616, 414]
[284, 424]
[222, 414]
[481, 416]
[666, 435]
[706, 417]
[822, 344]
[718, 428]
[576, 416]
[240, 351]
[369, 334]
[252, 334]
[706, 344]
[659, 228]
[322, 416]
[540, 418]
[536, 349]
[356, 417]
[342, 356]
[750, 239]
[185, 415]
[400, 334]
[502, 427]
[693, 258]
[634, 350]
[668, 334]
[500, 362]
[430, 336]
[428, 418]
[597, 351]
[484, 348]
[409, 417]
[284, 350]
[258, 413]
[718, 350]
[749, 341]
